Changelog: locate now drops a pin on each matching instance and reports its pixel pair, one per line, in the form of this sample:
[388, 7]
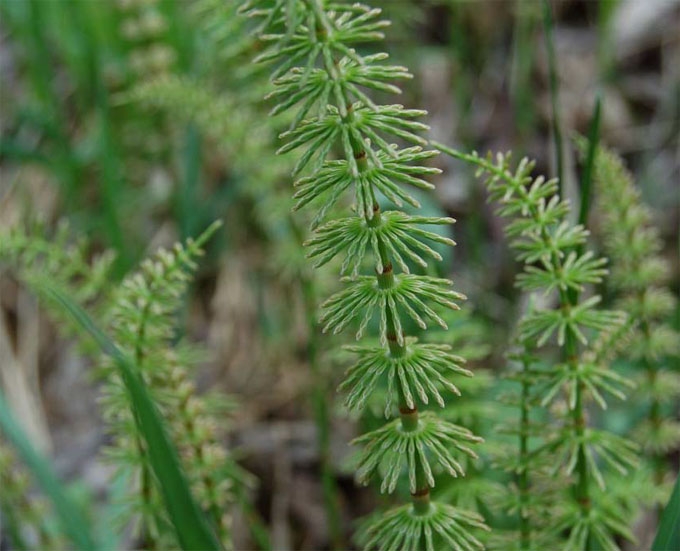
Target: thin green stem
[409, 416]
[40, 69]
[654, 414]
[385, 278]
[605, 9]
[581, 488]
[320, 402]
[521, 88]
[523, 478]
[588, 169]
[554, 90]
[256, 526]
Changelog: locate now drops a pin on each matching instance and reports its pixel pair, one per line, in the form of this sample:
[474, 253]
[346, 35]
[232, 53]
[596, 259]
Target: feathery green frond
[433, 441]
[365, 297]
[352, 129]
[140, 315]
[385, 175]
[441, 527]
[399, 234]
[315, 86]
[599, 527]
[23, 514]
[612, 450]
[639, 278]
[142, 323]
[597, 380]
[420, 373]
[64, 257]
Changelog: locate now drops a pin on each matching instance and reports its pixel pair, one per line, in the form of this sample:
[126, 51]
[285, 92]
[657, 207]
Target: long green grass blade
[587, 179]
[74, 524]
[192, 528]
[521, 92]
[668, 536]
[554, 91]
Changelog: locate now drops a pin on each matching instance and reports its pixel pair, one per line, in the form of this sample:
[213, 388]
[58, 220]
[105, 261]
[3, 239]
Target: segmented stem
[571, 356]
[386, 280]
[320, 72]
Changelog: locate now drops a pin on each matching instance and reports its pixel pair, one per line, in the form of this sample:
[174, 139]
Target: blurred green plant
[28, 518]
[554, 263]
[189, 524]
[139, 316]
[639, 276]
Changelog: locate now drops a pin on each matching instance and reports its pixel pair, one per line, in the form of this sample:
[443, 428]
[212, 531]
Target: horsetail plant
[531, 493]
[312, 43]
[550, 248]
[139, 317]
[142, 322]
[638, 279]
[229, 112]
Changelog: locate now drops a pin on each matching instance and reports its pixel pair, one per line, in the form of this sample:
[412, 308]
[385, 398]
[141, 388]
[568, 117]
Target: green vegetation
[227, 319]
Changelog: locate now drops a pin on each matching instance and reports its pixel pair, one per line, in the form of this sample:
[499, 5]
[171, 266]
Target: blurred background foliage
[140, 122]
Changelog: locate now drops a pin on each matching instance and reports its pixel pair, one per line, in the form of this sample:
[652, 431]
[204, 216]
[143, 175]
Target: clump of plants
[587, 434]
[138, 319]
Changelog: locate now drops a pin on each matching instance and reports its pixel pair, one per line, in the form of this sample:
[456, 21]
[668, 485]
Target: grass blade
[554, 89]
[587, 180]
[74, 524]
[668, 536]
[192, 528]
[522, 94]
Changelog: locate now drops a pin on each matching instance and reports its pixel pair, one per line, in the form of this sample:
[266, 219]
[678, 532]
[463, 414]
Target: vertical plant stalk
[321, 413]
[571, 349]
[149, 525]
[639, 280]
[142, 321]
[551, 249]
[654, 411]
[40, 71]
[319, 71]
[534, 498]
[523, 482]
[548, 27]
[582, 487]
[522, 93]
[408, 415]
